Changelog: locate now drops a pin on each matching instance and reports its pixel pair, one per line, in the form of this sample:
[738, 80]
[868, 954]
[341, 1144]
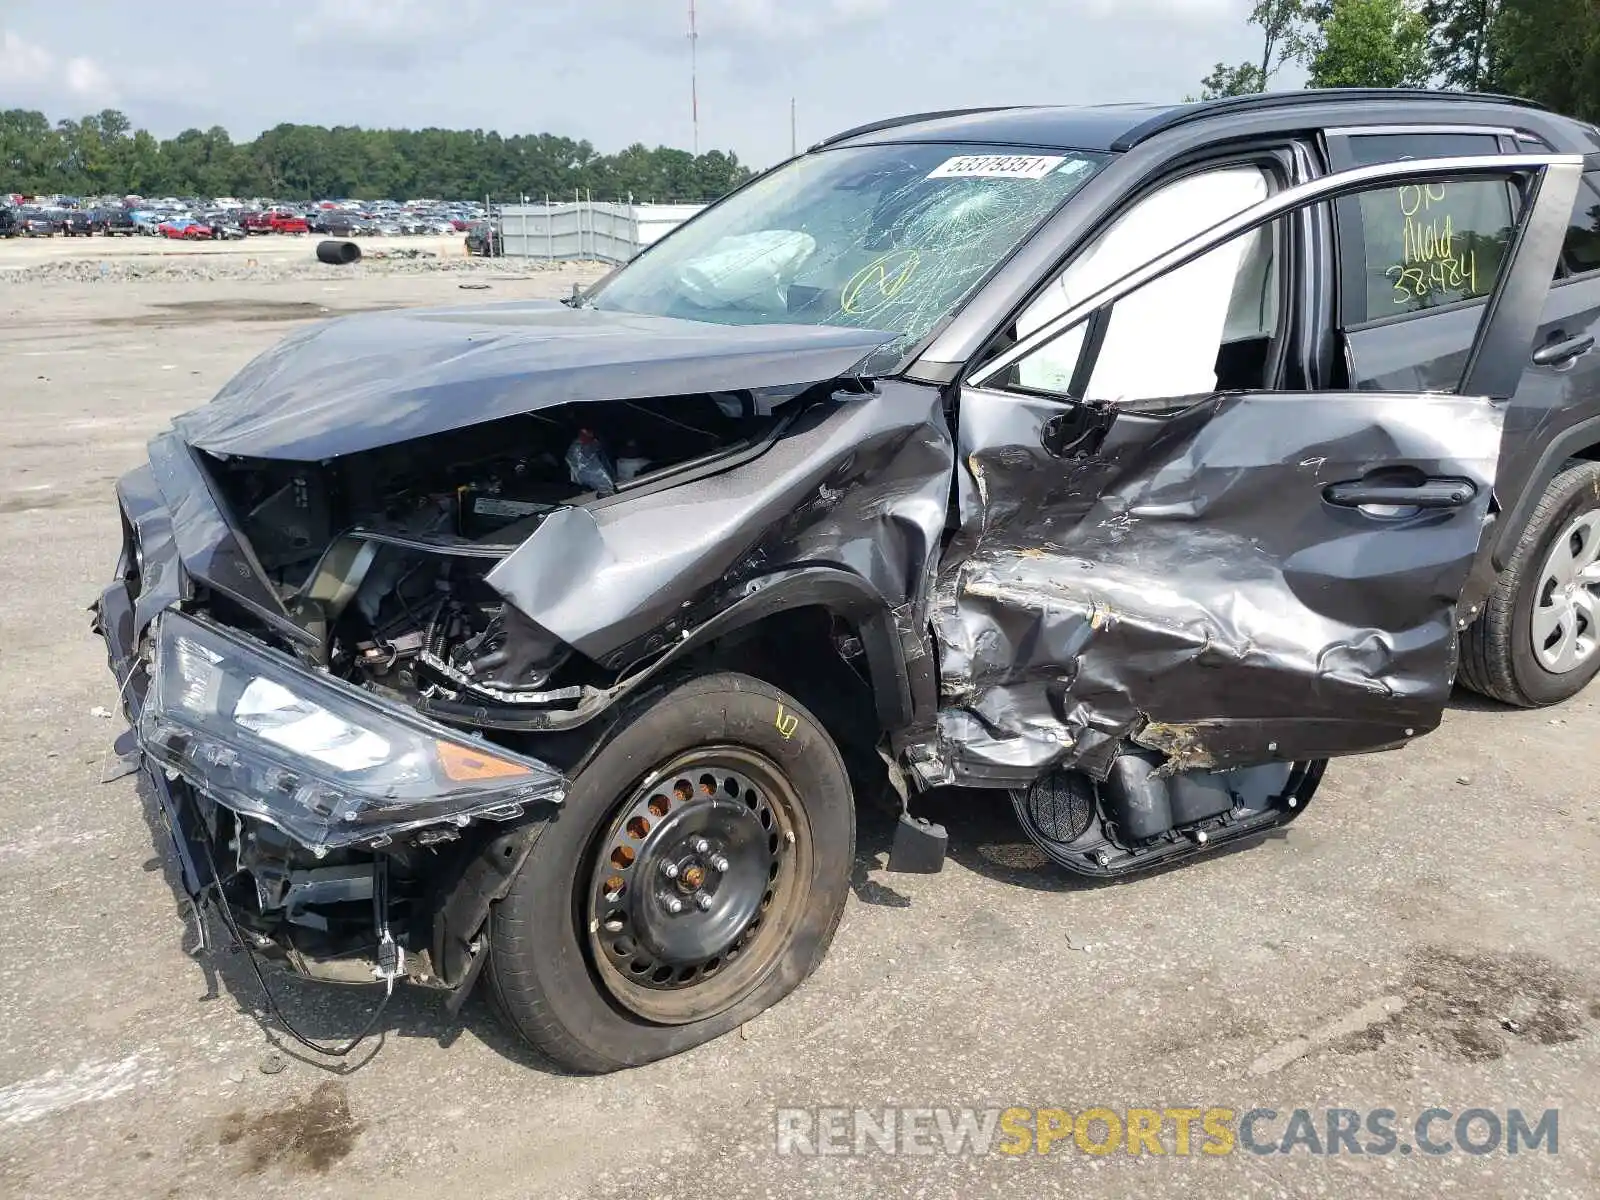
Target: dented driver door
[1181, 553]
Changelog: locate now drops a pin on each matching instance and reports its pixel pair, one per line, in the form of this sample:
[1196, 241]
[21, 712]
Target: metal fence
[591, 231]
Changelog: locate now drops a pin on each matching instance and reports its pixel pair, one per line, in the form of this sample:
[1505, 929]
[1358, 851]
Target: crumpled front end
[328, 818]
[357, 679]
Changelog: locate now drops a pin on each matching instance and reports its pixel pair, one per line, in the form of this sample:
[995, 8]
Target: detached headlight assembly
[328, 763]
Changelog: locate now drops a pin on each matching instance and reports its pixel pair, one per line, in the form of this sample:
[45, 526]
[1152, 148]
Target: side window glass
[1581, 251]
[1207, 326]
[1420, 246]
[1369, 149]
[1215, 323]
[1166, 218]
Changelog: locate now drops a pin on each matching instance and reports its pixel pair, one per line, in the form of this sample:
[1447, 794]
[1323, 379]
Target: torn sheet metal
[376, 379]
[160, 572]
[208, 545]
[1188, 588]
[860, 482]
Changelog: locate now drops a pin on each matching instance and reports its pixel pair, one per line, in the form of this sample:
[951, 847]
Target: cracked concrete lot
[1427, 935]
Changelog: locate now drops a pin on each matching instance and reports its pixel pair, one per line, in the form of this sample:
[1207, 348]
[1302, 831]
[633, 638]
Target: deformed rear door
[1236, 576]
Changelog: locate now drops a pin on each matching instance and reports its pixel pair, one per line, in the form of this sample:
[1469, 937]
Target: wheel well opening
[819, 658]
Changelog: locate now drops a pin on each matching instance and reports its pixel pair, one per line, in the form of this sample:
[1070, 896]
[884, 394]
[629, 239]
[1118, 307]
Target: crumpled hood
[360, 382]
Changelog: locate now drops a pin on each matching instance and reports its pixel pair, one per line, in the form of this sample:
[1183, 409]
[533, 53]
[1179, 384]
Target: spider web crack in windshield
[890, 237]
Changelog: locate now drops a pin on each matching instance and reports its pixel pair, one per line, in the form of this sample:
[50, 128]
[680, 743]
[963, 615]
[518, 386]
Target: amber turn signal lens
[464, 766]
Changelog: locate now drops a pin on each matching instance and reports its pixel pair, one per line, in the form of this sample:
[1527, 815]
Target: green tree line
[104, 155]
[1546, 50]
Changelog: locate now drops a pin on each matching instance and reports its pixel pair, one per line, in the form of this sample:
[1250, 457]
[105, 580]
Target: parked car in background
[9, 224]
[77, 222]
[276, 220]
[348, 224]
[281, 221]
[335, 221]
[224, 225]
[483, 240]
[115, 222]
[35, 222]
[185, 228]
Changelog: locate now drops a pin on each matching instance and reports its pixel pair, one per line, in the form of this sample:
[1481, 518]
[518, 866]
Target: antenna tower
[694, 79]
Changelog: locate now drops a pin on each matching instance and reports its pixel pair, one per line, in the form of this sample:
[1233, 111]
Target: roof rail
[910, 119]
[1205, 109]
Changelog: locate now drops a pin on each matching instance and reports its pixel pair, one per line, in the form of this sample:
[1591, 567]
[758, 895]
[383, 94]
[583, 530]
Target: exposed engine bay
[383, 554]
[382, 557]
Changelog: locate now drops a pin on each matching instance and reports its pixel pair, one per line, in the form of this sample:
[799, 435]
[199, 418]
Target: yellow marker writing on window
[879, 282]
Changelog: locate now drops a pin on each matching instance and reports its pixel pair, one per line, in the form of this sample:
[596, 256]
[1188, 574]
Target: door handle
[1557, 353]
[1430, 493]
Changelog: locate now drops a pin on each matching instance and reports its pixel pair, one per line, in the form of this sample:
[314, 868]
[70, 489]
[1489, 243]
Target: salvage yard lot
[1460, 914]
[270, 248]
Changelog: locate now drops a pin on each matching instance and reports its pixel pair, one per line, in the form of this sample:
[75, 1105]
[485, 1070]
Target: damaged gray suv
[1119, 464]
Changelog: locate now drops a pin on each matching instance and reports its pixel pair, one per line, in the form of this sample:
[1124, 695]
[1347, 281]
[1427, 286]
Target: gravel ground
[1426, 934]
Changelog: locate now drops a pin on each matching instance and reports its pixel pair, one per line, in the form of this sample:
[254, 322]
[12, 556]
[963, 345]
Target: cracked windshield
[882, 237]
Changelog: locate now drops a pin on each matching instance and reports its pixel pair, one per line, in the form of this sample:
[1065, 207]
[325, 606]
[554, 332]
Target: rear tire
[723, 757]
[1513, 652]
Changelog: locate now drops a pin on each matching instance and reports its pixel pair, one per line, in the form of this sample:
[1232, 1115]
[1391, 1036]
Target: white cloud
[87, 78]
[789, 18]
[386, 33]
[23, 62]
[1186, 11]
[27, 68]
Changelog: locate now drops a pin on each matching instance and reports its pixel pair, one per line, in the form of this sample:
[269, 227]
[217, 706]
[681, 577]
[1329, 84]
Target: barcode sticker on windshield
[997, 166]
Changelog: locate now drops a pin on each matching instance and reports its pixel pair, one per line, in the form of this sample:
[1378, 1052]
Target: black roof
[1121, 126]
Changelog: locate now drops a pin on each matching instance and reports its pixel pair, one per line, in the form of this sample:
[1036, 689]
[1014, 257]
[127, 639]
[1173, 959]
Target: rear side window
[1424, 245]
[1581, 252]
[1409, 249]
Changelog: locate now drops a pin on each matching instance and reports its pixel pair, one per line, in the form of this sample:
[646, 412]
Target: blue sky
[611, 71]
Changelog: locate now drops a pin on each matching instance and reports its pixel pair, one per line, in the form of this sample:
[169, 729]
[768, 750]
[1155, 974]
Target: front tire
[1537, 641]
[693, 877]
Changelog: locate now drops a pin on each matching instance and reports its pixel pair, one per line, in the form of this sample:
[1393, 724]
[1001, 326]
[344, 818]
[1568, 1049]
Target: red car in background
[184, 227]
[274, 222]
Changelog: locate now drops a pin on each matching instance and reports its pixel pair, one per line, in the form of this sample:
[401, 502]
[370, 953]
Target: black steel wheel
[693, 877]
[697, 884]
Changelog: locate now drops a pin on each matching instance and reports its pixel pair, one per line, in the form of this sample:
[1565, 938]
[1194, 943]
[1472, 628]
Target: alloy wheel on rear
[1564, 623]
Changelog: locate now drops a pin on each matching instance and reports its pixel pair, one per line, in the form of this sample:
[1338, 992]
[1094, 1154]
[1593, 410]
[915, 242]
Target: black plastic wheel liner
[1297, 794]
